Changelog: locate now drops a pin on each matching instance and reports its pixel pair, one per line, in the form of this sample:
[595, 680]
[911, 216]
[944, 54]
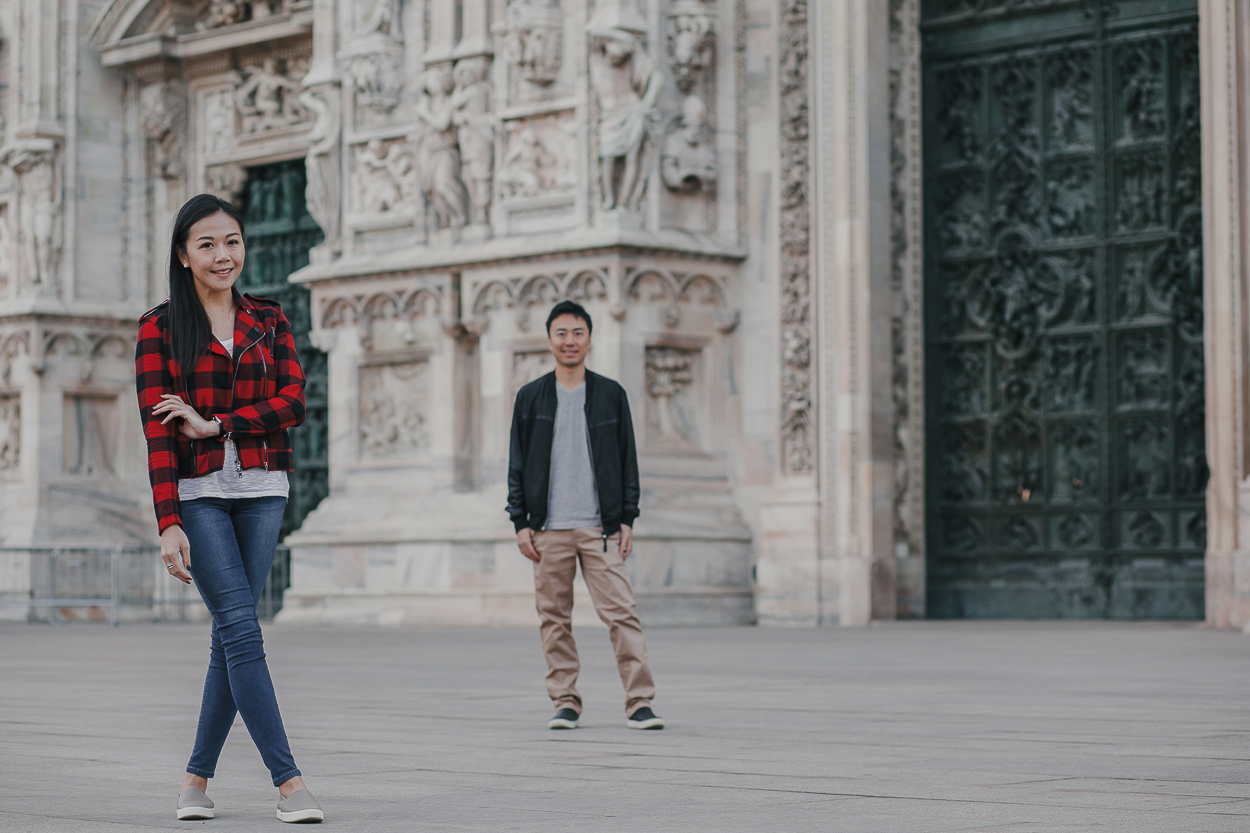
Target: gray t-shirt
[573, 500]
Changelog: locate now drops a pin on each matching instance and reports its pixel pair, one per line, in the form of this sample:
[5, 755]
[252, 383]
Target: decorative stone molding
[394, 401]
[226, 181]
[691, 41]
[163, 113]
[267, 97]
[660, 286]
[543, 290]
[669, 371]
[402, 307]
[532, 35]
[797, 405]
[10, 432]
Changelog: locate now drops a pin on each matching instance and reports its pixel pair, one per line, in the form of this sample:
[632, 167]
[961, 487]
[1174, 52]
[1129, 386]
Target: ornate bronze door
[279, 234]
[1063, 283]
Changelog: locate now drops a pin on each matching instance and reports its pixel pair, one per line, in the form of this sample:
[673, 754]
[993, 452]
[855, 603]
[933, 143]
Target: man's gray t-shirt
[573, 501]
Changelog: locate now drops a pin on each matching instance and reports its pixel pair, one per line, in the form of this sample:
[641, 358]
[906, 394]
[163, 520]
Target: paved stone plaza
[906, 727]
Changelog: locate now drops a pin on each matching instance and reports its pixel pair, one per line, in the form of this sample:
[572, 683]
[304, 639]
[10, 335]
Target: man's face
[569, 340]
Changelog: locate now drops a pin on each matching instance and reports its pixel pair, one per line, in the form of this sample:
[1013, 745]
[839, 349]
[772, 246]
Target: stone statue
[475, 131]
[531, 38]
[376, 17]
[223, 13]
[688, 160]
[268, 99]
[627, 83]
[163, 112]
[322, 165]
[519, 175]
[438, 152]
[39, 205]
[380, 174]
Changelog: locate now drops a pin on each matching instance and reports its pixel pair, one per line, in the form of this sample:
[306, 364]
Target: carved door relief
[1063, 281]
[280, 233]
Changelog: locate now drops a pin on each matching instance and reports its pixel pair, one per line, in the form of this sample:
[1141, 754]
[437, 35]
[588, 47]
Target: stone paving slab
[900, 727]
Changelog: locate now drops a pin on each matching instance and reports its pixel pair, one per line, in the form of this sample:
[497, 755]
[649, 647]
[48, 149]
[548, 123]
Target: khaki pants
[610, 590]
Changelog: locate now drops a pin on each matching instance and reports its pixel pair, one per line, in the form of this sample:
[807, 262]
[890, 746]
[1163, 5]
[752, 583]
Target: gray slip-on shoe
[300, 806]
[193, 804]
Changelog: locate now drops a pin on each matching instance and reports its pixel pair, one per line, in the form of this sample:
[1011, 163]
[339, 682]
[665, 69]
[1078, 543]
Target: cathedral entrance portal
[1064, 319]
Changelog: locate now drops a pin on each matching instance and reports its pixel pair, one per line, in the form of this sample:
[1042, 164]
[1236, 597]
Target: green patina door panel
[1063, 308]
[279, 234]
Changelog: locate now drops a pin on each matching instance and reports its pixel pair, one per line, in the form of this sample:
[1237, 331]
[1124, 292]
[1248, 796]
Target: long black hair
[190, 329]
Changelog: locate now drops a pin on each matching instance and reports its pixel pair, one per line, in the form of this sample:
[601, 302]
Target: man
[573, 496]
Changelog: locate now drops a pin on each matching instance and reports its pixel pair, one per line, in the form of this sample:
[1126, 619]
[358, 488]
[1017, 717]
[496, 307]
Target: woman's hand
[193, 425]
[176, 553]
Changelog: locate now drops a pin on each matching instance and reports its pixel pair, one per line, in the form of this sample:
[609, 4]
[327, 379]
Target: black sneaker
[644, 718]
[564, 719]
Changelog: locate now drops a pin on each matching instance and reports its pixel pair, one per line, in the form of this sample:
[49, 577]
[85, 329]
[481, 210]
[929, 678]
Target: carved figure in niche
[376, 17]
[669, 371]
[627, 83]
[6, 244]
[218, 122]
[268, 99]
[10, 432]
[380, 174]
[688, 161]
[475, 131]
[324, 187]
[375, 75]
[163, 112]
[690, 39]
[393, 399]
[39, 203]
[519, 176]
[438, 150]
[226, 181]
[225, 13]
[532, 40]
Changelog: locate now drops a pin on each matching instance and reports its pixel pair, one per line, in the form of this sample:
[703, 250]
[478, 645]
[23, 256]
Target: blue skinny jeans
[232, 545]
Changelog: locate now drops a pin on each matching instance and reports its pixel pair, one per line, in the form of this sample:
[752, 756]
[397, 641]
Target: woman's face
[214, 253]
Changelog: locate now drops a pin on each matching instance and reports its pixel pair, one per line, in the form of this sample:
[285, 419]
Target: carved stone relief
[671, 418]
[797, 405]
[35, 162]
[438, 150]
[6, 245]
[673, 289]
[226, 181]
[89, 435]
[528, 365]
[10, 432]
[540, 291]
[383, 180]
[163, 112]
[267, 96]
[626, 83]
[393, 403]
[531, 34]
[323, 168]
[218, 122]
[691, 41]
[372, 59]
[538, 156]
[688, 160]
[471, 113]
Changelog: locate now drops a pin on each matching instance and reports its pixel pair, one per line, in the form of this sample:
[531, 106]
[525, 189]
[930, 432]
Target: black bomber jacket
[613, 455]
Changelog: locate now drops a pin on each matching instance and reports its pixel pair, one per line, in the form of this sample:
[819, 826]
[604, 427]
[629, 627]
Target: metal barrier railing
[113, 577]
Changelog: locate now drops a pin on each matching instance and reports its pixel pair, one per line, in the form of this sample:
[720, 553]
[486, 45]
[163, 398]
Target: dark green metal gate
[1063, 283]
[279, 234]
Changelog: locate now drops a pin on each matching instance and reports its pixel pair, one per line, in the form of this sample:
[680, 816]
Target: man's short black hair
[570, 308]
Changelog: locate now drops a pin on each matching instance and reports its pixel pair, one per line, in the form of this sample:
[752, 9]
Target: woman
[219, 384]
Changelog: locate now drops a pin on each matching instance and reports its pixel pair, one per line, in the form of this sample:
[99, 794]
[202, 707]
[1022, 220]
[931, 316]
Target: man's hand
[525, 543]
[627, 541]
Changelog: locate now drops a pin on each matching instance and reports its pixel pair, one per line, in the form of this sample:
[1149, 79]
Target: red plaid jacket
[257, 394]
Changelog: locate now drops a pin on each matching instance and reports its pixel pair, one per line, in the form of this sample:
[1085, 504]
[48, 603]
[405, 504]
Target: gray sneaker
[193, 804]
[300, 806]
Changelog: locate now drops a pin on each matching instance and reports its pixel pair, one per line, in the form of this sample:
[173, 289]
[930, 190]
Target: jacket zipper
[594, 473]
[234, 376]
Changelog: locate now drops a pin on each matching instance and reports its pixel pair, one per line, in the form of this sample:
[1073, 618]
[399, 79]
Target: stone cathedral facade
[924, 307]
